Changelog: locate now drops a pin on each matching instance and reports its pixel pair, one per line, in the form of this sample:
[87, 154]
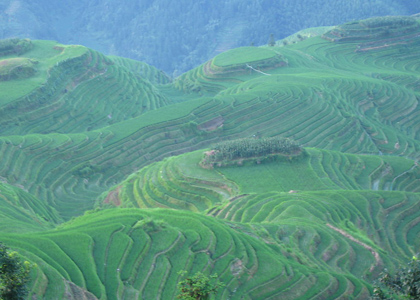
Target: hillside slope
[182, 183]
[323, 94]
[348, 215]
[326, 240]
[133, 254]
[72, 89]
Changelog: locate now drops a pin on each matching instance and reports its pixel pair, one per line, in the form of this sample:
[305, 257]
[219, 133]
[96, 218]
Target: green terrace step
[87, 87]
[179, 182]
[140, 252]
[283, 110]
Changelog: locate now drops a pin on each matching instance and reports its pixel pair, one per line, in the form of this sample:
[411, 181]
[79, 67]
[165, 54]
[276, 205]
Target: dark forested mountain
[178, 35]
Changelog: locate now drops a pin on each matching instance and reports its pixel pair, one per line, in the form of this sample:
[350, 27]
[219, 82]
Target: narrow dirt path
[374, 253]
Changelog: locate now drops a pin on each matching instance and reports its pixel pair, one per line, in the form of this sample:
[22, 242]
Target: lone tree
[271, 41]
[198, 287]
[14, 275]
[405, 284]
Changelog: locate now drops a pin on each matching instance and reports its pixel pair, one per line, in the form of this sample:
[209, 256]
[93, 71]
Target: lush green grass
[181, 183]
[278, 176]
[142, 69]
[9, 68]
[329, 189]
[46, 54]
[21, 212]
[323, 109]
[76, 89]
[364, 215]
[243, 55]
[168, 241]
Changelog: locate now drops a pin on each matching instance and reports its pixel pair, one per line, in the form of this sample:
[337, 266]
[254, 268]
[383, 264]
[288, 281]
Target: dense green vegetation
[15, 46]
[198, 287]
[16, 68]
[229, 151]
[101, 184]
[14, 275]
[402, 285]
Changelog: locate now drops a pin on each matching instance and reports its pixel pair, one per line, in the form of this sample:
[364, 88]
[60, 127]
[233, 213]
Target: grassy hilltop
[103, 186]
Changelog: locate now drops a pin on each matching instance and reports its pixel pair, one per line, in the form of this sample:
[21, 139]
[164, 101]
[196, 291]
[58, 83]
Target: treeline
[380, 27]
[390, 22]
[249, 148]
[15, 46]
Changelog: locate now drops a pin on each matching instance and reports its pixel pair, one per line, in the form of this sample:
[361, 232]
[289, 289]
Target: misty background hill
[176, 36]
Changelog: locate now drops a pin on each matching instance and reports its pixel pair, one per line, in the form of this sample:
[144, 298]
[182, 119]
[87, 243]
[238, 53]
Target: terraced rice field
[136, 254]
[81, 94]
[89, 131]
[181, 183]
[341, 213]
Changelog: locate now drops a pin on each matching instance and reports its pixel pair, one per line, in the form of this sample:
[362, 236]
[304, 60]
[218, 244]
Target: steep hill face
[69, 90]
[176, 36]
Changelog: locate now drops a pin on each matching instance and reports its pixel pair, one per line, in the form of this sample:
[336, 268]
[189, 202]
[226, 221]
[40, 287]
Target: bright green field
[46, 54]
[242, 55]
[181, 183]
[320, 170]
[278, 176]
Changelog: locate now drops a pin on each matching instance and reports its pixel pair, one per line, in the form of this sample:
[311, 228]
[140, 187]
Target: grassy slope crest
[75, 89]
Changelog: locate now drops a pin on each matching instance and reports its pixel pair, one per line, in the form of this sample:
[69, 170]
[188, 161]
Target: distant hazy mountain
[178, 35]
